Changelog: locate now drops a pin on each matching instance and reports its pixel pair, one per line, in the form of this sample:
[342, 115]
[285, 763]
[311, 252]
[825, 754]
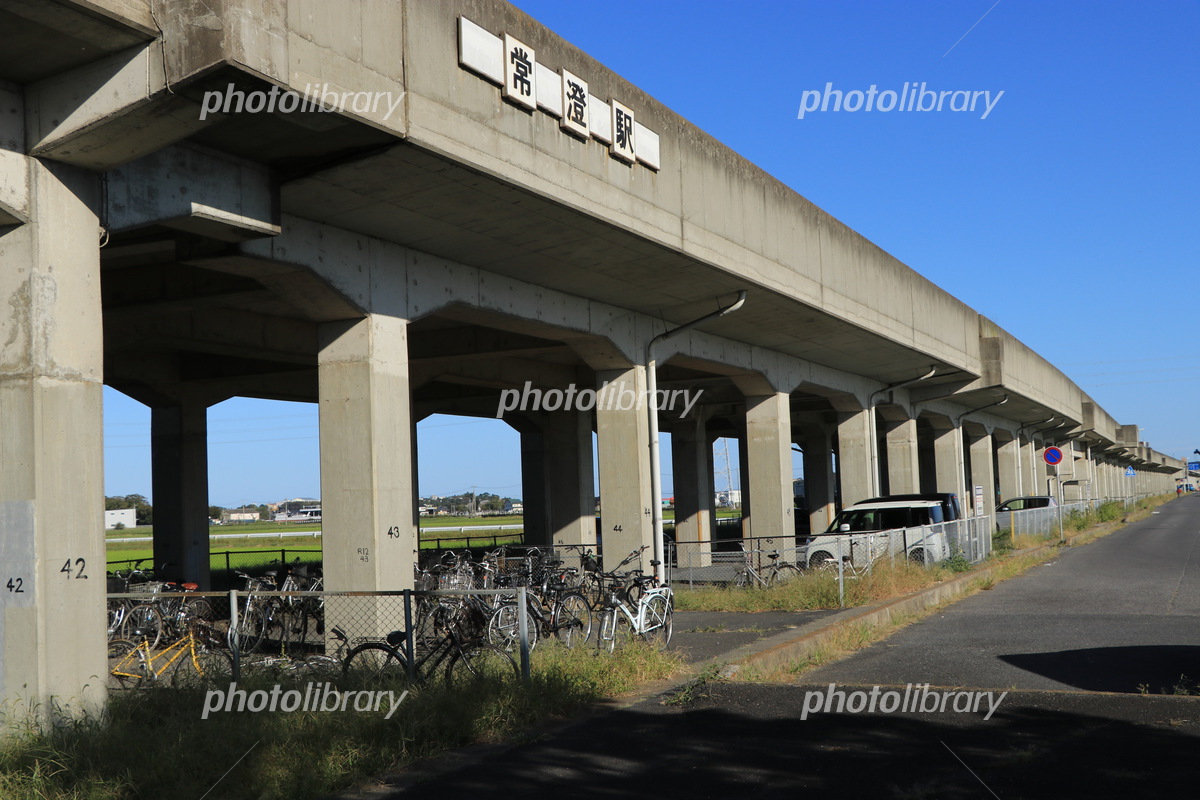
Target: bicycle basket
[590, 562]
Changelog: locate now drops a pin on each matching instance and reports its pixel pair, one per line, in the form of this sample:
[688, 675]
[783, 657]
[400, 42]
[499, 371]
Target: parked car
[1005, 509]
[948, 500]
[846, 534]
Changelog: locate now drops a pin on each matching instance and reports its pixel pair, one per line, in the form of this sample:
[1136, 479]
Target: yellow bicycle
[196, 660]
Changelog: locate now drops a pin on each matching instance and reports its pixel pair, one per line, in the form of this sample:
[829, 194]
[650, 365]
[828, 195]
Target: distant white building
[513, 508]
[124, 517]
[733, 497]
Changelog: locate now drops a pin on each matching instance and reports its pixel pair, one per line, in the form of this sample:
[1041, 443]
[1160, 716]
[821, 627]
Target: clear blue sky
[1069, 216]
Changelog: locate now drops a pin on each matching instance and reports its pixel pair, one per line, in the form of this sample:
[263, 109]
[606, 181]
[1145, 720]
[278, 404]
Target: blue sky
[1069, 216]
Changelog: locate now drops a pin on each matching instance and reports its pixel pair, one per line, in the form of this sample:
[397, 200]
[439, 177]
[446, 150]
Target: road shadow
[740, 740]
[1155, 669]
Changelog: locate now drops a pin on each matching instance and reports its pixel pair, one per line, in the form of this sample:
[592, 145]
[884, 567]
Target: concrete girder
[50, 38]
[195, 190]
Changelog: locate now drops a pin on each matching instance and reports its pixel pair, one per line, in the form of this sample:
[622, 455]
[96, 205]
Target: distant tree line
[468, 503]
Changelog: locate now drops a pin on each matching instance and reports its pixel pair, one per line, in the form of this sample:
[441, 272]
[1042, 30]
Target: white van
[875, 529]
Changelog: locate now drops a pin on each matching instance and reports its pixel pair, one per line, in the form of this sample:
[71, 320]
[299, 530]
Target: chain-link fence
[763, 561]
[264, 631]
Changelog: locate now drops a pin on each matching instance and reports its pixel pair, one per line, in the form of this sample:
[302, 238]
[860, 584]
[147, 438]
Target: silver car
[1005, 509]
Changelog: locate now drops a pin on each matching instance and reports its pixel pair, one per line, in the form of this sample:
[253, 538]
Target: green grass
[154, 744]
[813, 590]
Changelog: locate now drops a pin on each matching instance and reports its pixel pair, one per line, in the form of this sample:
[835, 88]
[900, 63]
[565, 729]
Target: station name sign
[512, 65]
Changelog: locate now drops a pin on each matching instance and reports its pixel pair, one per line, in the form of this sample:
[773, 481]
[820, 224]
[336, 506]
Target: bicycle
[776, 574]
[310, 665]
[636, 606]
[552, 609]
[194, 660]
[463, 661]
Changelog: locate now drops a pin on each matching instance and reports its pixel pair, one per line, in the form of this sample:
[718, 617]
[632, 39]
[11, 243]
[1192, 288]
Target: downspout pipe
[652, 410]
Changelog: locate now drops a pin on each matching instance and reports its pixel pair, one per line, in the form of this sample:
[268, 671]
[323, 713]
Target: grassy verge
[154, 743]
[816, 589]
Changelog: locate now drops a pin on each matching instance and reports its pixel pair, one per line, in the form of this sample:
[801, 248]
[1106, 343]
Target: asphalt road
[1115, 615]
[1109, 616]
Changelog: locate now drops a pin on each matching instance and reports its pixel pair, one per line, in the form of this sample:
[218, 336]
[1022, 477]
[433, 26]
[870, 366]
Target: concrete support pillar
[366, 455]
[569, 478]
[903, 469]
[819, 479]
[692, 468]
[623, 451]
[1029, 484]
[981, 472]
[744, 479]
[52, 565]
[948, 461]
[1009, 465]
[179, 461]
[534, 497]
[854, 456]
[769, 461]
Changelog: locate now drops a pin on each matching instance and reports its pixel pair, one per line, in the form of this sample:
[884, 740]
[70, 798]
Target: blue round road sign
[1052, 455]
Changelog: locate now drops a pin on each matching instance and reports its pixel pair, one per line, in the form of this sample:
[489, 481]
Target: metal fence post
[842, 575]
[410, 665]
[235, 645]
[523, 629]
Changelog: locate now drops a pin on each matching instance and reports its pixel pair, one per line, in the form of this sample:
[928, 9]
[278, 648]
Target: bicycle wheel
[117, 611]
[375, 662]
[572, 619]
[479, 662]
[202, 667]
[125, 667]
[251, 630]
[659, 621]
[504, 628]
[433, 623]
[784, 573]
[200, 608]
[616, 631]
[293, 631]
[144, 621]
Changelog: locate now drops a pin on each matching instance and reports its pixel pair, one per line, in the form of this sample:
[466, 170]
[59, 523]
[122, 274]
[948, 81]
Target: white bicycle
[635, 605]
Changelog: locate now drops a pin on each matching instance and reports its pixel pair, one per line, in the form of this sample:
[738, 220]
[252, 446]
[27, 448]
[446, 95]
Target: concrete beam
[195, 190]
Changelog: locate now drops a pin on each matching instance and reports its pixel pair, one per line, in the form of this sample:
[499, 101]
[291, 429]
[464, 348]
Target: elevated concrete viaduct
[399, 208]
